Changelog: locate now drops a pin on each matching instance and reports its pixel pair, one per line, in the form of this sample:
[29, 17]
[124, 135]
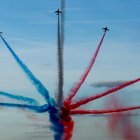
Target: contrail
[19, 98]
[38, 85]
[75, 89]
[89, 99]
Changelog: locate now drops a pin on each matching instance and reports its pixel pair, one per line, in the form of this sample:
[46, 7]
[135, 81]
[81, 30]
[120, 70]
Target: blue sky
[30, 28]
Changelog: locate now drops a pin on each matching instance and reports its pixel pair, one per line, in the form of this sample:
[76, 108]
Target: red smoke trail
[68, 129]
[130, 131]
[78, 112]
[113, 121]
[75, 89]
[89, 99]
[68, 123]
[120, 123]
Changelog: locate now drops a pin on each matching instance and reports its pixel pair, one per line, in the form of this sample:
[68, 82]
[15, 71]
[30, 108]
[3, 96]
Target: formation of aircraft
[58, 12]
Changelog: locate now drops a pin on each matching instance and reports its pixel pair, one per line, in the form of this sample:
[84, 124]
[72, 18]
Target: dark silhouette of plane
[58, 12]
[105, 29]
[1, 33]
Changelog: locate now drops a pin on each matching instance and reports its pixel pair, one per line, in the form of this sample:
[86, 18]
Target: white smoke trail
[61, 32]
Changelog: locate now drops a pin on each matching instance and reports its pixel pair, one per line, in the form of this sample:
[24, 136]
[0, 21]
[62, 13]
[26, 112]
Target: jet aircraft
[105, 29]
[58, 12]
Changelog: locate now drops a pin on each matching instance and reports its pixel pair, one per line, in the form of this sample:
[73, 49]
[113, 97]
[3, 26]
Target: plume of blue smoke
[56, 126]
[38, 85]
[38, 109]
[54, 115]
[19, 98]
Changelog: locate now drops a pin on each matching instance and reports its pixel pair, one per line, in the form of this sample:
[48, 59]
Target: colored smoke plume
[121, 123]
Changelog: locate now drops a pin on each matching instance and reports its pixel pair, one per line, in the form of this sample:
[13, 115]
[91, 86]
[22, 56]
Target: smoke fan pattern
[61, 118]
[61, 111]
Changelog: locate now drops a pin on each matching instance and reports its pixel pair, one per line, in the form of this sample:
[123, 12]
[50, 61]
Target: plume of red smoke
[67, 122]
[108, 111]
[89, 99]
[120, 123]
[76, 87]
[68, 129]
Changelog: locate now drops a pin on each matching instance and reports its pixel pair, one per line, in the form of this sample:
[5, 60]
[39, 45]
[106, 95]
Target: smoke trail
[56, 126]
[38, 109]
[60, 67]
[68, 129]
[54, 116]
[129, 130]
[78, 112]
[62, 23]
[67, 122]
[62, 35]
[89, 99]
[60, 55]
[75, 89]
[120, 123]
[38, 85]
[19, 98]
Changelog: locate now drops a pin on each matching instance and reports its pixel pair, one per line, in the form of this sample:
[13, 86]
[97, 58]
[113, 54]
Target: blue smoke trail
[19, 98]
[38, 85]
[57, 126]
[50, 107]
[38, 109]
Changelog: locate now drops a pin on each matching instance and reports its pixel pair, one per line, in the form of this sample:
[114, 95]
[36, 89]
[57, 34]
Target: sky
[30, 27]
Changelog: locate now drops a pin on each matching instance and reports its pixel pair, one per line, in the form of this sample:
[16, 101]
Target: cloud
[107, 84]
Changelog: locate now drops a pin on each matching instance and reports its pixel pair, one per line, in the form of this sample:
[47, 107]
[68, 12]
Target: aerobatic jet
[58, 12]
[105, 29]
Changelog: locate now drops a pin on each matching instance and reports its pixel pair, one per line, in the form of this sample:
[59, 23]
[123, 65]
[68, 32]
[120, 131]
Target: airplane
[1, 33]
[105, 29]
[58, 12]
